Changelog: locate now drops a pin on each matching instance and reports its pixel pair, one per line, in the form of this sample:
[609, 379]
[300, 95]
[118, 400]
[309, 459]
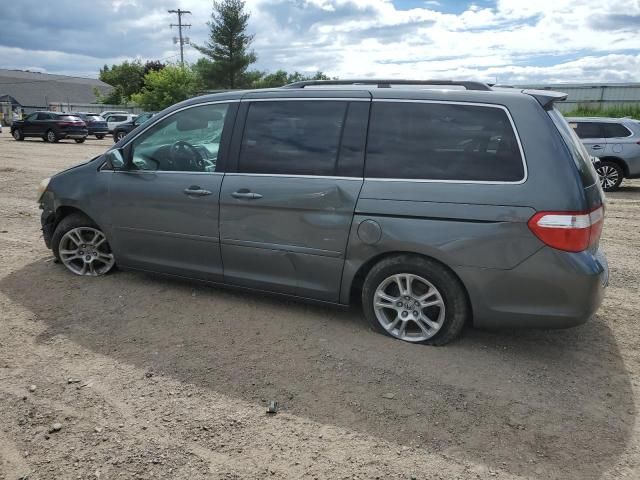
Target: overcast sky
[511, 41]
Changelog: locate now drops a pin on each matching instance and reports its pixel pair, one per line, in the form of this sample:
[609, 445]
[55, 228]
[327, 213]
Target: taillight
[74, 123]
[568, 231]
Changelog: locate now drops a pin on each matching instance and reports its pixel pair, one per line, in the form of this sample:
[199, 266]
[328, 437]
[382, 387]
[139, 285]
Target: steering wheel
[185, 157]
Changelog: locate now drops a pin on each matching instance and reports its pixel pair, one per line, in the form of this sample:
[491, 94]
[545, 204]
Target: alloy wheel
[51, 136]
[409, 307]
[16, 134]
[85, 251]
[609, 176]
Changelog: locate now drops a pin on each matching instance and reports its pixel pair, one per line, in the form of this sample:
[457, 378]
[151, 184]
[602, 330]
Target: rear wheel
[18, 135]
[82, 247]
[611, 175]
[415, 299]
[50, 136]
[100, 137]
[79, 140]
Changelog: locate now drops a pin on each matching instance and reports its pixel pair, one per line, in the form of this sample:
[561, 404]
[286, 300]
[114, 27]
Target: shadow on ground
[556, 402]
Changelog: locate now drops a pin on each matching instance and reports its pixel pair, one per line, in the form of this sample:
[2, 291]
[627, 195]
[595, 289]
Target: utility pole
[180, 25]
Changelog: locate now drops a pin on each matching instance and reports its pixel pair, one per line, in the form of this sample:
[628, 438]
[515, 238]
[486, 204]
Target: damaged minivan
[433, 203]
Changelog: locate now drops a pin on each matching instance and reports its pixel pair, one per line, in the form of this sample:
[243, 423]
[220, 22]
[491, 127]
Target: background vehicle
[106, 113]
[616, 141]
[96, 125]
[121, 130]
[50, 126]
[456, 216]
[115, 119]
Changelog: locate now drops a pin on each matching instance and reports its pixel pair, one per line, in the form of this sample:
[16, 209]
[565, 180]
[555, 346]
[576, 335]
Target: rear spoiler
[546, 98]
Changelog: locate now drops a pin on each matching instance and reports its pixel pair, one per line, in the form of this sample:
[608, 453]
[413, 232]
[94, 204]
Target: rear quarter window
[615, 130]
[438, 141]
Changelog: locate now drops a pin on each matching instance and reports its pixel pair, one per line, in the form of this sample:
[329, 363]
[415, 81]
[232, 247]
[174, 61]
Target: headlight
[42, 187]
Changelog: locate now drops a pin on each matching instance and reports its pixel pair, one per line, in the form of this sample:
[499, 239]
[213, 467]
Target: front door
[164, 206]
[287, 208]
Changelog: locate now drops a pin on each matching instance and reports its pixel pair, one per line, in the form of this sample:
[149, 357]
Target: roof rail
[469, 85]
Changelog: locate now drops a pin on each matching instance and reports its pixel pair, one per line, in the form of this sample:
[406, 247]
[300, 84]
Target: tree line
[226, 61]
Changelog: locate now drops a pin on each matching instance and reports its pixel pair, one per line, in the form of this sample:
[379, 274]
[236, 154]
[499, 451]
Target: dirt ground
[154, 378]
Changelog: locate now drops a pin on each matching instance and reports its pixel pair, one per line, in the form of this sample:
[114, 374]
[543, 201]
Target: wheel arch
[358, 279]
[64, 211]
[617, 161]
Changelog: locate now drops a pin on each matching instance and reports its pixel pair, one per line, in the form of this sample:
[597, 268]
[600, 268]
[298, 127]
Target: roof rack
[469, 85]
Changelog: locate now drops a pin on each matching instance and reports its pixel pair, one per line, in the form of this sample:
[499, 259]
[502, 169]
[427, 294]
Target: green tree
[281, 78]
[163, 88]
[126, 79]
[228, 45]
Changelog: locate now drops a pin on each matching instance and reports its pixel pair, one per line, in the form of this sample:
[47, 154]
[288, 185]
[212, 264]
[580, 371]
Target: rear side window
[437, 141]
[588, 129]
[615, 130]
[292, 137]
[578, 153]
[117, 118]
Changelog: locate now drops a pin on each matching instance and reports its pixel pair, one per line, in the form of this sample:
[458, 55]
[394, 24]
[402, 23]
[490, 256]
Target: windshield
[580, 156]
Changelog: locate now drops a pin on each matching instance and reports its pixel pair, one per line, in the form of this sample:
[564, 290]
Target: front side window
[31, 117]
[292, 137]
[187, 141]
[437, 141]
[587, 129]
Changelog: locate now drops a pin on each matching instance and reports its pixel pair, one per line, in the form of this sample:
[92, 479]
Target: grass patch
[632, 111]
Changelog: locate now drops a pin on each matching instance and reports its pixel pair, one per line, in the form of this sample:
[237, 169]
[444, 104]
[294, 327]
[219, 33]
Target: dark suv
[50, 126]
[433, 206]
[121, 130]
[96, 125]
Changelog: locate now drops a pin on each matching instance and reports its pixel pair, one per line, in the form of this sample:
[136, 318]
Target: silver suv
[616, 142]
[434, 207]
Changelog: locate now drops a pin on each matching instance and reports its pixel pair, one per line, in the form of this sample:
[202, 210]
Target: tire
[18, 135]
[611, 175]
[117, 136]
[51, 137]
[80, 245]
[444, 301]
[79, 140]
[100, 137]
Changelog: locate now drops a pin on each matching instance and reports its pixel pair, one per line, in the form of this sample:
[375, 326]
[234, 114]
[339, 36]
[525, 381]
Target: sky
[504, 41]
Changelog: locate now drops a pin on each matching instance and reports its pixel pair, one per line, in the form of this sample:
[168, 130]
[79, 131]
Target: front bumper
[74, 134]
[98, 130]
[551, 289]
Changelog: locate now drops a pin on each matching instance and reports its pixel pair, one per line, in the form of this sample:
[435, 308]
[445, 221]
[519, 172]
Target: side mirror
[115, 159]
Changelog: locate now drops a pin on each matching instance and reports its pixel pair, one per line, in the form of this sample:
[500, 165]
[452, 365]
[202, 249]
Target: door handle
[246, 195]
[196, 191]
[597, 147]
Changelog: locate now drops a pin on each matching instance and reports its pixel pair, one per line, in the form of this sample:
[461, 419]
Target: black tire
[456, 305]
[79, 140]
[18, 135]
[100, 137]
[70, 222]
[117, 136]
[611, 175]
[51, 137]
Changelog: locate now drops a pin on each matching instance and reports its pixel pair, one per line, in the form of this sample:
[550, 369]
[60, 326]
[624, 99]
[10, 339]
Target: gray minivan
[435, 203]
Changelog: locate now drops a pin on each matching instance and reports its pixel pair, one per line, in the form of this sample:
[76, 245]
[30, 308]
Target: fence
[91, 107]
[594, 95]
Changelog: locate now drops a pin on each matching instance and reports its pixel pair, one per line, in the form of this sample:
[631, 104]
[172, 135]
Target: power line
[180, 25]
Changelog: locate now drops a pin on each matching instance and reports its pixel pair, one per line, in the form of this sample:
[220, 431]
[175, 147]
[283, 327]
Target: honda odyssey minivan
[434, 203]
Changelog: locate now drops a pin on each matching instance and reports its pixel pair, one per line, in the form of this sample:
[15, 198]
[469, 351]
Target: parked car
[116, 119]
[616, 141]
[457, 216]
[106, 113]
[96, 125]
[121, 130]
[50, 126]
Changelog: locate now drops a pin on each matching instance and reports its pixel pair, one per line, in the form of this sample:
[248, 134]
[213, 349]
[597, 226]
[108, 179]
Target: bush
[163, 88]
[632, 111]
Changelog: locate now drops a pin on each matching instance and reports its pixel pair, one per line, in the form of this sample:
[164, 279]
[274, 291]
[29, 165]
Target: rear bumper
[551, 289]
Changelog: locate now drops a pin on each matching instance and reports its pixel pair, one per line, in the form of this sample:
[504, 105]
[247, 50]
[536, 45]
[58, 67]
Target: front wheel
[18, 135]
[611, 175]
[51, 136]
[82, 247]
[118, 136]
[79, 140]
[415, 299]
[100, 137]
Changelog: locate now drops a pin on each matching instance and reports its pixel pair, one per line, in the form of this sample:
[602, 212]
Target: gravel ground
[135, 376]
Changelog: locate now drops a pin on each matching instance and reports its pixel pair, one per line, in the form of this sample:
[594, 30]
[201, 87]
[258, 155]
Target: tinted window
[117, 118]
[187, 141]
[31, 117]
[587, 129]
[43, 116]
[442, 142]
[292, 137]
[615, 130]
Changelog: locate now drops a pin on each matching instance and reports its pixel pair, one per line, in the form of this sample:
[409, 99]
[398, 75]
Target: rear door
[592, 137]
[287, 206]
[164, 207]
